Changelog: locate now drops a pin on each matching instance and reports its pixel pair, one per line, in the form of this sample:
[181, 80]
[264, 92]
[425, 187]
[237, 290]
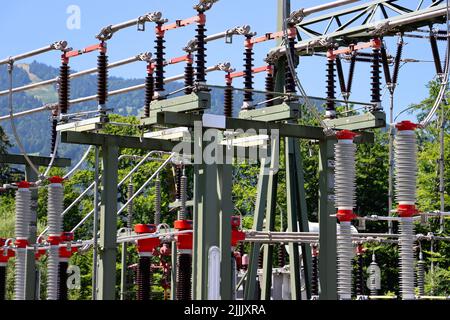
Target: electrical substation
[206, 253]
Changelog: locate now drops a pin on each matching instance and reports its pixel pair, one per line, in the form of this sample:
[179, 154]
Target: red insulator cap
[64, 253]
[56, 179]
[23, 185]
[145, 228]
[236, 236]
[54, 240]
[360, 249]
[67, 236]
[183, 224]
[184, 241]
[2, 242]
[345, 215]
[406, 210]
[406, 125]
[21, 243]
[346, 135]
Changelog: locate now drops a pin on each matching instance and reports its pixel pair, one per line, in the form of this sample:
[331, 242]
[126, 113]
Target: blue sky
[27, 25]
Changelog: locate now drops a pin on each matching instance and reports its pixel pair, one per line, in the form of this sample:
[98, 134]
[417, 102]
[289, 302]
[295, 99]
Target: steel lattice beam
[358, 23]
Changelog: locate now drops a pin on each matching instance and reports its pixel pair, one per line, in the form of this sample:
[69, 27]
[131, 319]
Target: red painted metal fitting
[376, 43]
[184, 241]
[9, 254]
[346, 135]
[406, 125]
[159, 31]
[56, 179]
[65, 253]
[345, 215]
[40, 253]
[201, 19]
[183, 224]
[315, 251]
[406, 210]
[146, 245]
[236, 236]
[24, 185]
[21, 243]
[54, 240]
[331, 55]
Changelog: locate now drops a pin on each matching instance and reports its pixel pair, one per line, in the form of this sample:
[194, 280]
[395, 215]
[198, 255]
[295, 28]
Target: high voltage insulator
[62, 273]
[149, 89]
[184, 272]
[385, 62]
[145, 248]
[421, 275]
[248, 73]
[102, 79]
[55, 208]
[436, 57]
[178, 174]
[200, 55]
[376, 79]
[228, 98]
[398, 58]
[269, 86]
[23, 216]
[289, 77]
[157, 200]
[64, 88]
[260, 259]
[183, 196]
[130, 193]
[189, 76]
[159, 61]
[405, 186]
[281, 256]
[373, 285]
[344, 184]
[331, 81]
[54, 135]
[351, 73]
[143, 278]
[340, 73]
[315, 272]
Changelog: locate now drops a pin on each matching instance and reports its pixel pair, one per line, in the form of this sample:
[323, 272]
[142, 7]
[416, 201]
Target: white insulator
[23, 213]
[405, 167]
[19, 276]
[421, 277]
[344, 261]
[52, 273]
[55, 207]
[406, 257]
[183, 196]
[344, 183]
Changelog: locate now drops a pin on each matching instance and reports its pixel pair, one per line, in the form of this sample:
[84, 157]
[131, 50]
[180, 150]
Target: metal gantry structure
[201, 254]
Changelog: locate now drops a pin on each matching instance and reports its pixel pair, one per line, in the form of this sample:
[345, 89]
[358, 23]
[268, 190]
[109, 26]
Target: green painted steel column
[258, 219]
[206, 213]
[30, 264]
[327, 224]
[272, 189]
[108, 225]
[296, 187]
[292, 202]
[225, 182]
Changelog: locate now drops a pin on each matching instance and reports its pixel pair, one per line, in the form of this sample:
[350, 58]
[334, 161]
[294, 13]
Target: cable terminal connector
[204, 5]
